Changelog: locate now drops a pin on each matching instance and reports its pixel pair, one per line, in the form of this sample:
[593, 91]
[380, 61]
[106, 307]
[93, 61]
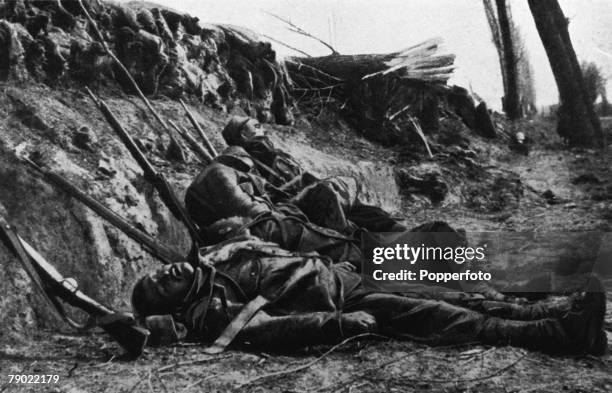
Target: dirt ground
[90, 363]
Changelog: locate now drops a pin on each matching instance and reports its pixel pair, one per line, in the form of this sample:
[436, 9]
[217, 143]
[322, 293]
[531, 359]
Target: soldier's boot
[553, 306]
[585, 321]
[580, 330]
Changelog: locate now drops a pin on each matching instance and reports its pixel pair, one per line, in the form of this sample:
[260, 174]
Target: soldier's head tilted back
[240, 130]
[163, 291]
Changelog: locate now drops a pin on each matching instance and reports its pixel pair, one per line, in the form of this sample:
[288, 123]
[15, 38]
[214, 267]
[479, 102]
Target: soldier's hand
[357, 323]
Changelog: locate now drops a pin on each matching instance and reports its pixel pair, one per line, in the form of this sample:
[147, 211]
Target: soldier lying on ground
[312, 301]
[229, 196]
[247, 133]
[228, 188]
[232, 186]
[332, 203]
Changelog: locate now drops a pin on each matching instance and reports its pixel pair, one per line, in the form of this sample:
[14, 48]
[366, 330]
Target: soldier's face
[168, 286]
[251, 129]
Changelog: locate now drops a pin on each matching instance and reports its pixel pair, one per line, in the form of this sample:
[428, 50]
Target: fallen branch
[421, 62]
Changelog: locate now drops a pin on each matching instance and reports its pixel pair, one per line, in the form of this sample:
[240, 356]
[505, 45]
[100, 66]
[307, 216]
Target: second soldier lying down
[312, 301]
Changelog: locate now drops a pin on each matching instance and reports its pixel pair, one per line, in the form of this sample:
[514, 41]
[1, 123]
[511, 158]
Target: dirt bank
[472, 182]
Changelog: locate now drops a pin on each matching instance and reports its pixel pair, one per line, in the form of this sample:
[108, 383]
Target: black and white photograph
[293, 196]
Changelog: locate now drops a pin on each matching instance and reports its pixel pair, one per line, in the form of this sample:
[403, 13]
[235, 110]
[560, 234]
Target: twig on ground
[191, 362]
[386, 364]
[136, 384]
[149, 382]
[71, 371]
[199, 381]
[308, 364]
[475, 379]
[161, 382]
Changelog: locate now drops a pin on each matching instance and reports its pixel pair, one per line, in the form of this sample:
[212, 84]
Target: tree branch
[296, 29]
[287, 45]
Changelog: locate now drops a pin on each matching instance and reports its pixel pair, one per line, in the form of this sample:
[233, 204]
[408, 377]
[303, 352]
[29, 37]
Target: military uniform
[332, 203]
[220, 191]
[309, 295]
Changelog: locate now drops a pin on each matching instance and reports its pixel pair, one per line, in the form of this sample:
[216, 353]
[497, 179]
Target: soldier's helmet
[241, 129]
[236, 157]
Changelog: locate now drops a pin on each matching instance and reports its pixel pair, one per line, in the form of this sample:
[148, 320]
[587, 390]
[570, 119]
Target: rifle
[53, 286]
[205, 156]
[196, 125]
[156, 179]
[162, 252]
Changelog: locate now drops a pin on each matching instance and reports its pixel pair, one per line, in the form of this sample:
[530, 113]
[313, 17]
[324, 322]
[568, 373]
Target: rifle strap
[237, 324]
[14, 243]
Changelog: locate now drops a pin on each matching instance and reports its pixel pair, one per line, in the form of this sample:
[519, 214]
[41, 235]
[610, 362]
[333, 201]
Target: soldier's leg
[507, 307]
[579, 329]
[429, 320]
[551, 307]
[441, 322]
[327, 202]
[375, 219]
[553, 303]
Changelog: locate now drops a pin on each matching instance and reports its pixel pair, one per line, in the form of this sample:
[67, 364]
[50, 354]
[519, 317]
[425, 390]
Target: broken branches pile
[382, 94]
[420, 63]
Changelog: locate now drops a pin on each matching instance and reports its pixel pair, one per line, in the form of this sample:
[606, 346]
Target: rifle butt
[126, 333]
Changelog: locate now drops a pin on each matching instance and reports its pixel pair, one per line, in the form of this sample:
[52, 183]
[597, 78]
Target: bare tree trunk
[577, 121]
[511, 97]
[494, 26]
[562, 24]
